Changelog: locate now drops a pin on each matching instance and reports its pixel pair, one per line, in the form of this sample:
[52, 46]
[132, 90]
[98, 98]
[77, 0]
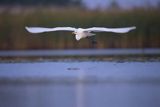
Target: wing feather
[115, 30]
[42, 29]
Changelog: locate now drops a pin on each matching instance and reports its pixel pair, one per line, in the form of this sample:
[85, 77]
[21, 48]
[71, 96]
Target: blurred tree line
[41, 2]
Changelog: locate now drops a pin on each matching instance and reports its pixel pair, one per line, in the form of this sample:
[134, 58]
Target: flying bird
[80, 32]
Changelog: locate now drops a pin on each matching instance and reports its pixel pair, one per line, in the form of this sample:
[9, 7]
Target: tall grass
[14, 19]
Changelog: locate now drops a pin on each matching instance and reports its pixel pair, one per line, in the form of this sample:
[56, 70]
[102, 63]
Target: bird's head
[75, 33]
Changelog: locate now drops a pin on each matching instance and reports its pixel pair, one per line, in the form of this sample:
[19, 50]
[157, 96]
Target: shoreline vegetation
[13, 20]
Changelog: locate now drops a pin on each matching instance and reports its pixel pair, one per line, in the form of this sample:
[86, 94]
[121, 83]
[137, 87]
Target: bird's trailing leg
[92, 41]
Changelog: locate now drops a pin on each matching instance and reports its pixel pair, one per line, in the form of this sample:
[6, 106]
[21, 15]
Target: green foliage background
[14, 19]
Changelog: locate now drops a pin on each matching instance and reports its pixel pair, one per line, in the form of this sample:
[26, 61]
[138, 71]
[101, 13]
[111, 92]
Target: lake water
[80, 95]
[80, 84]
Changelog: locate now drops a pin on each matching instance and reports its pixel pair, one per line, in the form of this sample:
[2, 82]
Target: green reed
[14, 19]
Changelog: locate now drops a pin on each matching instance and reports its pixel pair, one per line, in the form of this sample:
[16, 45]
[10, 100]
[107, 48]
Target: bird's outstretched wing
[42, 29]
[115, 30]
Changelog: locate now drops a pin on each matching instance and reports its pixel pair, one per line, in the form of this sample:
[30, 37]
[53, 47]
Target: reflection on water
[80, 95]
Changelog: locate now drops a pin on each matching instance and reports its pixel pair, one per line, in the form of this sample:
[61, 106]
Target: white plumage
[80, 32]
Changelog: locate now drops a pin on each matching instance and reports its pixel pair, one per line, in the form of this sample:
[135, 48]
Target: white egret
[80, 32]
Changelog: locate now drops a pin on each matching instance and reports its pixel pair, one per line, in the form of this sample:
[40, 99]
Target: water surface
[80, 84]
